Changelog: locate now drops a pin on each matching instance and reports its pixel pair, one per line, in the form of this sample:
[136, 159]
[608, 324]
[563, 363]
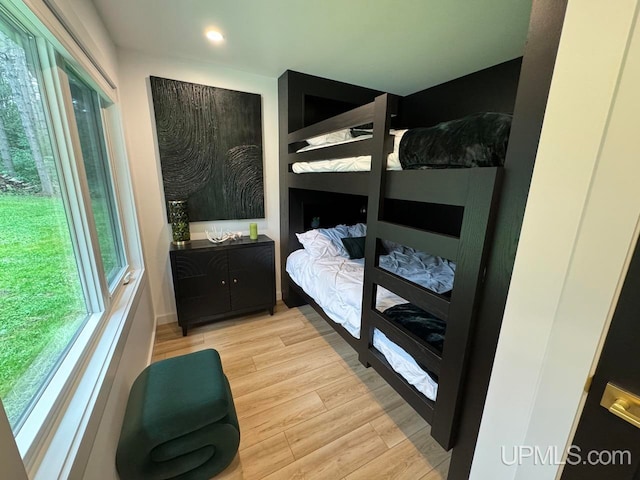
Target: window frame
[78, 161]
[68, 407]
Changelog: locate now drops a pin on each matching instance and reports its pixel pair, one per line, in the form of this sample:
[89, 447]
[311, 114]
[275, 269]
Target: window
[86, 107]
[55, 206]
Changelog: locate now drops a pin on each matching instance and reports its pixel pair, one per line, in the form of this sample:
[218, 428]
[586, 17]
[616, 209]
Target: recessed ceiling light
[214, 35]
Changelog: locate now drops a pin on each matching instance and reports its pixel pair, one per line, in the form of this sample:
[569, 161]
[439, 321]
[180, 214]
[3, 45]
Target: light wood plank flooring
[307, 408]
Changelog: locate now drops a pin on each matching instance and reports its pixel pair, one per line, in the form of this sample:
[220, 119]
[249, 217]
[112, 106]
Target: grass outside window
[41, 300]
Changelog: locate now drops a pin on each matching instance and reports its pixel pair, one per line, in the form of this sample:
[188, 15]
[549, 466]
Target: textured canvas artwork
[210, 143]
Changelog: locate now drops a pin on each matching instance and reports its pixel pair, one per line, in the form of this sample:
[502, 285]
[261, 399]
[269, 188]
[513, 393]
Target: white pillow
[339, 136]
[336, 234]
[327, 242]
[317, 244]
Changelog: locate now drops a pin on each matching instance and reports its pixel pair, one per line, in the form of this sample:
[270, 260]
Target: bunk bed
[446, 212]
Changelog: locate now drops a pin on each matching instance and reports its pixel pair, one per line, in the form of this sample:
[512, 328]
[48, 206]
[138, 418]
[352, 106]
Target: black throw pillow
[354, 246]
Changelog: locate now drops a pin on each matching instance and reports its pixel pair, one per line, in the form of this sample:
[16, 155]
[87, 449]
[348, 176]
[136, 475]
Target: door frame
[596, 429]
[576, 219]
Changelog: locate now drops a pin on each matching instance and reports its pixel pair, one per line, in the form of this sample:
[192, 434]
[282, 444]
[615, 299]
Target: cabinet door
[252, 276]
[202, 285]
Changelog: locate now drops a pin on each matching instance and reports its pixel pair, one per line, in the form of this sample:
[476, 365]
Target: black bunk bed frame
[474, 190]
[519, 86]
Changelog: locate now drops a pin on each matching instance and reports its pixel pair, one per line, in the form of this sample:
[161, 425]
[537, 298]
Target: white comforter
[335, 283]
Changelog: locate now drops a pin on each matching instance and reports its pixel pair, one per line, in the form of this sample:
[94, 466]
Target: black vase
[179, 219]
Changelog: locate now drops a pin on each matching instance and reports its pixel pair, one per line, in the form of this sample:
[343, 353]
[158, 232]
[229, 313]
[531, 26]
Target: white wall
[101, 463]
[88, 26]
[134, 70]
[75, 30]
[579, 225]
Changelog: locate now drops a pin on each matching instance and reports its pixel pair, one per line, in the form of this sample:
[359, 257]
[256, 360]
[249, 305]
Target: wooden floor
[307, 407]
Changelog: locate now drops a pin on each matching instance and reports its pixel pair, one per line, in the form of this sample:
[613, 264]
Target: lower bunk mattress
[335, 283]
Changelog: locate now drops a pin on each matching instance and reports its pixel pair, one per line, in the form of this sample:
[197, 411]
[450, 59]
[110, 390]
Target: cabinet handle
[235, 280]
[223, 282]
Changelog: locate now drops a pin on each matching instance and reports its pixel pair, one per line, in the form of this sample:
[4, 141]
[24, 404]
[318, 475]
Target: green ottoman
[180, 421]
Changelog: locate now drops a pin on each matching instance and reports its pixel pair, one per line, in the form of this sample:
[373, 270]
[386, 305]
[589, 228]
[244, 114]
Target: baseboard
[166, 318]
[152, 342]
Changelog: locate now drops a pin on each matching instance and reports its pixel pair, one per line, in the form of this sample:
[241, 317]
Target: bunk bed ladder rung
[345, 150]
[443, 186]
[346, 182]
[353, 118]
[421, 297]
[438, 244]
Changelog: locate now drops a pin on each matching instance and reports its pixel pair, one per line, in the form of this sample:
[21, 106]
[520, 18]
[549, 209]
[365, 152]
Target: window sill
[60, 445]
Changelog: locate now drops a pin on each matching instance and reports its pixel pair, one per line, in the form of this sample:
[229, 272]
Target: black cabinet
[215, 281]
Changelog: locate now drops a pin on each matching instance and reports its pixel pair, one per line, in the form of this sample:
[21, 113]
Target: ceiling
[397, 46]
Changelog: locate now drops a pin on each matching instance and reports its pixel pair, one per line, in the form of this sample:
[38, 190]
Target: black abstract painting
[210, 143]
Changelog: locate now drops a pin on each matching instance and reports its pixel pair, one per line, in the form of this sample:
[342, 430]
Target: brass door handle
[620, 408]
[622, 404]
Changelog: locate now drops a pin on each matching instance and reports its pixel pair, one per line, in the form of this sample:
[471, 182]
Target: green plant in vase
[179, 219]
